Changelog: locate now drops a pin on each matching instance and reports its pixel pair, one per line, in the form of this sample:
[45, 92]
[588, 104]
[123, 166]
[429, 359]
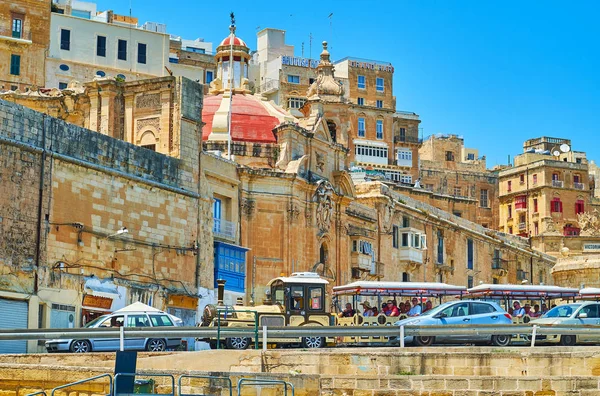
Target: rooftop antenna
[310, 37]
[330, 29]
[303, 49]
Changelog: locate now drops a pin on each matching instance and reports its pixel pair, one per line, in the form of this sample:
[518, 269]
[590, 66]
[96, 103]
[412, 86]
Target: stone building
[420, 243]
[545, 190]
[85, 43]
[459, 179]
[383, 142]
[293, 179]
[24, 38]
[91, 222]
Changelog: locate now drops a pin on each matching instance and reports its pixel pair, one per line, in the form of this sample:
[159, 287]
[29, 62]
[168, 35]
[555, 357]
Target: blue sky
[496, 73]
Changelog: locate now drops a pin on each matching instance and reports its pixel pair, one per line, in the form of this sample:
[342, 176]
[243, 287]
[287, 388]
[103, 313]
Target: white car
[576, 314]
[119, 319]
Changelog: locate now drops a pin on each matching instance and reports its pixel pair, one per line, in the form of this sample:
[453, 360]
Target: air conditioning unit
[356, 273]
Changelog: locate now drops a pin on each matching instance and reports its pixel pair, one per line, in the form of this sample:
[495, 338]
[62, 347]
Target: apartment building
[24, 36]
[545, 190]
[86, 43]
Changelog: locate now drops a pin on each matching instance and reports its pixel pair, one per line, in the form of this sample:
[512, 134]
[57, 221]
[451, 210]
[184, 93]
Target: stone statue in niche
[387, 214]
[320, 159]
[324, 198]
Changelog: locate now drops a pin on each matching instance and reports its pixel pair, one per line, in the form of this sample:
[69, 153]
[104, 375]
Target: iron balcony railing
[557, 183]
[224, 229]
[578, 186]
[407, 139]
[522, 225]
[499, 264]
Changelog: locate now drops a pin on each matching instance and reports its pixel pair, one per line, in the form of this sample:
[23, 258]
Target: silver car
[460, 313]
[576, 314]
[127, 319]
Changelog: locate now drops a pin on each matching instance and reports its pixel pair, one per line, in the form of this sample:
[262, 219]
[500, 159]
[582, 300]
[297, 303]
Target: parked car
[576, 314]
[460, 312]
[152, 318]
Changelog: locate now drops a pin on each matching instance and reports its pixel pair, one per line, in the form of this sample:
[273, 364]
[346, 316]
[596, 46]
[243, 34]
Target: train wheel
[501, 340]
[568, 340]
[237, 343]
[313, 342]
[424, 341]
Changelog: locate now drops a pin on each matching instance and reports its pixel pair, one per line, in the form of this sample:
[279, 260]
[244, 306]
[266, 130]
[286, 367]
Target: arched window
[332, 130]
[148, 141]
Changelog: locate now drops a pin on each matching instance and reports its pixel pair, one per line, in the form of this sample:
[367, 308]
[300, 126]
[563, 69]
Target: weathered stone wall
[93, 186]
[410, 372]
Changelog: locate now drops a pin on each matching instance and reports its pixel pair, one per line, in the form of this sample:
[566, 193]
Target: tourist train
[302, 300]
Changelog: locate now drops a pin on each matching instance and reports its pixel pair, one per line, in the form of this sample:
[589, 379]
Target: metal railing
[301, 331]
[407, 139]
[223, 312]
[557, 183]
[224, 228]
[85, 381]
[126, 375]
[578, 186]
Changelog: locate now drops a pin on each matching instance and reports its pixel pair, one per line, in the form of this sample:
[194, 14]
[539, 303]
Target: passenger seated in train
[535, 312]
[428, 306]
[544, 309]
[367, 309]
[406, 307]
[391, 309]
[518, 311]
[416, 308]
[348, 312]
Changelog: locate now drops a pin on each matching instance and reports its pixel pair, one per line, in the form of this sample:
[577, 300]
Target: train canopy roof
[373, 288]
[591, 293]
[521, 291]
[301, 277]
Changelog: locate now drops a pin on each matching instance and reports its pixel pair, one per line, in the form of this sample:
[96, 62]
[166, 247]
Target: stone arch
[148, 138]
[332, 126]
[344, 184]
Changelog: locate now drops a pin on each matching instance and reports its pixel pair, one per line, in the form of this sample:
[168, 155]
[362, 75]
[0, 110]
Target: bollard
[401, 336]
[533, 333]
[121, 339]
[264, 338]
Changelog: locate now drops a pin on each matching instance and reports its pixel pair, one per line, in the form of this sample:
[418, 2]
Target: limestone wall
[400, 372]
[93, 185]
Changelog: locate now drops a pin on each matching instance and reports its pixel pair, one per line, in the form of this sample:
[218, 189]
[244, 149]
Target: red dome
[236, 41]
[250, 120]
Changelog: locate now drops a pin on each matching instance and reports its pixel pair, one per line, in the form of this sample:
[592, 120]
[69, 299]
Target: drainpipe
[40, 206]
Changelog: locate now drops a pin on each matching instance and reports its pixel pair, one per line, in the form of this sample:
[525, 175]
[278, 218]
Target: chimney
[220, 291]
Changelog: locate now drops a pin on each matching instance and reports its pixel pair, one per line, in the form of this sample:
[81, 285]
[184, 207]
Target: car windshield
[437, 309]
[561, 311]
[95, 321]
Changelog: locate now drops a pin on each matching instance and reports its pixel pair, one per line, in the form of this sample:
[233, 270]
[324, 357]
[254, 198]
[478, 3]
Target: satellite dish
[565, 148]
[555, 153]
